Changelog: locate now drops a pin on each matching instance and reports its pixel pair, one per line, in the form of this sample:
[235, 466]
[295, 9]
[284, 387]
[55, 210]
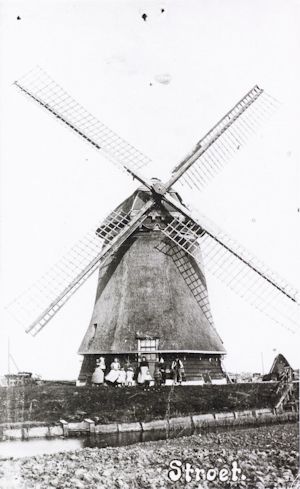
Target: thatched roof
[141, 293]
[279, 363]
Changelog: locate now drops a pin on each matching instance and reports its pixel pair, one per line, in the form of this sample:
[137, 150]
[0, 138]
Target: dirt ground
[51, 402]
[266, 456]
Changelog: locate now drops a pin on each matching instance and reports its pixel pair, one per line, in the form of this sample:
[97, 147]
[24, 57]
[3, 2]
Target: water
[32, 447]
[17, 449]
[29, 448]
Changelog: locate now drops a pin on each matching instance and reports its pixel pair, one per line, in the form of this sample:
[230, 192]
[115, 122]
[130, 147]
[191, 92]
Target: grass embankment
[51, 402]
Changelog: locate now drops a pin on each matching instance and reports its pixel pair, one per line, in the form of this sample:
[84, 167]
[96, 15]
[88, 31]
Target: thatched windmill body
[152, 300]
[152, 251]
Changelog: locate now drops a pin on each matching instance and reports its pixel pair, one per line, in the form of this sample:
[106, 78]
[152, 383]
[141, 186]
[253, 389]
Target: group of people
[121, 375]
[126, 375]
[176, 372]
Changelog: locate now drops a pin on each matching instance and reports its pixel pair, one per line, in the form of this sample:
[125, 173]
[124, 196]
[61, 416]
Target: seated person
[113, 375]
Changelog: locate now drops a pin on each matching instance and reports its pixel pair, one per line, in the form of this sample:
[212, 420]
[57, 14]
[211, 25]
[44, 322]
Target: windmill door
[148, 348]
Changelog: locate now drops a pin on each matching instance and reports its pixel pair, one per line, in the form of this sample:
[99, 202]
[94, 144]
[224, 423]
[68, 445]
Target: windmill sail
[195, 282]
[225, 139]
[272, 296]
[37, 306]
[40, 87]
[222, 256]
[237, 268]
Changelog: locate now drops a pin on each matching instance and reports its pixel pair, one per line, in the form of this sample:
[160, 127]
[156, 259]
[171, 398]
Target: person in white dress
[129, 376]
[122, 377]
[113, 375]
[101, 363]
[98, 376]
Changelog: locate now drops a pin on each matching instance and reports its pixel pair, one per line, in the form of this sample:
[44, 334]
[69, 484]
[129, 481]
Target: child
[157, 376]
[147, 380]
[122, 378]
[129, 376]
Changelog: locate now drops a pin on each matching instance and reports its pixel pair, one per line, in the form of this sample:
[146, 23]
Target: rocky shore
[267, 458]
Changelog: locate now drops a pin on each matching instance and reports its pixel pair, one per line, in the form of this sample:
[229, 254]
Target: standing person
[98, 376]
[113, 375]
[157, 376]
[144, 376]
[162, 369]
[129, 376]
[122, 377]
[178, 370]
[101, 364]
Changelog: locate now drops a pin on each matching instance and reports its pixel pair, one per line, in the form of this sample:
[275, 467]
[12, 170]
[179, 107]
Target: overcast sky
[54, 187]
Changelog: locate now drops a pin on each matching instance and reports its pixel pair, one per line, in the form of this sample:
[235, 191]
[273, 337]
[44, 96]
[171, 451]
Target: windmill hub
[158, 187]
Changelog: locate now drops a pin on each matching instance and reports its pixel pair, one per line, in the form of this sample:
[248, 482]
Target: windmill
[153, 252]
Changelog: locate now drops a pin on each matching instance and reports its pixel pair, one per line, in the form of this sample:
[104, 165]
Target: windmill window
[148, 344]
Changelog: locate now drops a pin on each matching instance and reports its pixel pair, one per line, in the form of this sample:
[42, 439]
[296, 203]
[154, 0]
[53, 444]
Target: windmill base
[199, 369]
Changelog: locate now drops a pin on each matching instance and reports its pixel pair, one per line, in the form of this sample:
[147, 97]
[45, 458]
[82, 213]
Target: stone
[106, 428]
[180, 422]
[159, 424]
[129, 427]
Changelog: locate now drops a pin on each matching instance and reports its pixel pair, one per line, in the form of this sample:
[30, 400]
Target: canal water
[32, 447]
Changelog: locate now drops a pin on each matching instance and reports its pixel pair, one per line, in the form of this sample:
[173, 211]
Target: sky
[160, 83]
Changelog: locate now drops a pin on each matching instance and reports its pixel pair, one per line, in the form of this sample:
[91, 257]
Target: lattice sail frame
[247, 276]
[44, 90]
[245, 282]
[197, 286]
[56, 286]
[225, 139]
